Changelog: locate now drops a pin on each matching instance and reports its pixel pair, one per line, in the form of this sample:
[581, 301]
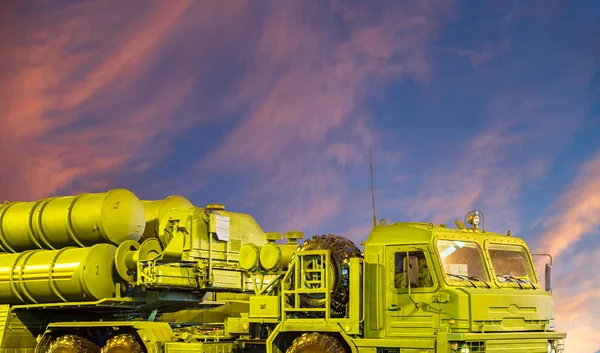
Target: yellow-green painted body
[156, 210]
[82, 220]
[506, 317]
[65, 275]
[417, 287]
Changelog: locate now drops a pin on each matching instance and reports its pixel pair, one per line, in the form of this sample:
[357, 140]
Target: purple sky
[272, 110]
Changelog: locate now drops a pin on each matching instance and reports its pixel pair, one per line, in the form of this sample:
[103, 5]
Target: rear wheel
[125, 343]
[316, 343]
[72, 344]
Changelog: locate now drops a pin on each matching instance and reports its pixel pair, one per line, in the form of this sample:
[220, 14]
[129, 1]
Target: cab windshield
[511, 263]
[462, 261]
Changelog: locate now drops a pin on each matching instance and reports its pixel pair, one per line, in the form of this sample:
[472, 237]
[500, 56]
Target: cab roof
[420, 232]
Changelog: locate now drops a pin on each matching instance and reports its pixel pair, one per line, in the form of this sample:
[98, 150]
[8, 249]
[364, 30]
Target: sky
[271, 108]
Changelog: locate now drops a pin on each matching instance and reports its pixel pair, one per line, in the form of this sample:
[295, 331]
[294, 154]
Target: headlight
[459, 347]
[476, 219]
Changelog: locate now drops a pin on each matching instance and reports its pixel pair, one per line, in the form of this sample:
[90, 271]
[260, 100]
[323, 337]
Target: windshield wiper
[479, 279]
[518, 280]
[470, 278]
[512, 279]
[467, 278]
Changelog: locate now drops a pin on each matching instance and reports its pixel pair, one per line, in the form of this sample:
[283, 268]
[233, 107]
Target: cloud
[93, 94]
[574, 214]
[577, 297]
[62, 63]
[312, 110]
[488, 170]
[567, 230]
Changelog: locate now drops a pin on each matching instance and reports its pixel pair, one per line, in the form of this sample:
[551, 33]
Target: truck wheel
[125, 343]
[72, 344]
[316, 343]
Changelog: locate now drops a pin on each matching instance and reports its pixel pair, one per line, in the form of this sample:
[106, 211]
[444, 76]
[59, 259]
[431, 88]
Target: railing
[308, 275]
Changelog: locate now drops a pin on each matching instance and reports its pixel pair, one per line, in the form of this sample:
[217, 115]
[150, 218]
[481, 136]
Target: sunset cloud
[82, 107]
[575, 213]
[568, 222]
[62, 62]
[313, 109]
[487, 170]
[577, 297]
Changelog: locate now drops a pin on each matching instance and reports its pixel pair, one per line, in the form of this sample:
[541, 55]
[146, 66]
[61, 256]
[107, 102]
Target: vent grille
[476, 347]
[559, 346]
[236, 244]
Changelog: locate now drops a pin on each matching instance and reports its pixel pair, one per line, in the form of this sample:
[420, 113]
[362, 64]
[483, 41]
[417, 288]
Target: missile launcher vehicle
[110, 273]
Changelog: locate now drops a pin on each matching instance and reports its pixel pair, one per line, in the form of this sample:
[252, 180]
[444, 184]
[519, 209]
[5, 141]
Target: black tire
[341, 250]
[72, 344]
[125, 343]
[316, 343]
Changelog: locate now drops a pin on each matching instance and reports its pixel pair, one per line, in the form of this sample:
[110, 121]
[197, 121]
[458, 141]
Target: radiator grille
[517, 346]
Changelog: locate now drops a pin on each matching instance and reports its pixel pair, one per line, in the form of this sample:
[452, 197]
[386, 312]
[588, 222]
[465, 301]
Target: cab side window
[413, 267]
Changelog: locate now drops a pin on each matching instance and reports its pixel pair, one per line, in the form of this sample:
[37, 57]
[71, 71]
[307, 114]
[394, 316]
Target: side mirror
[548, 273]
[548, 278]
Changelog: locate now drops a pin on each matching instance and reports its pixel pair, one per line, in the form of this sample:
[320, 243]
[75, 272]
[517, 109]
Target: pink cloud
[82, 68]
[317, 81]
[575, 212]
[49, 84]
[570, 223]
[577, 299]
[487, 169]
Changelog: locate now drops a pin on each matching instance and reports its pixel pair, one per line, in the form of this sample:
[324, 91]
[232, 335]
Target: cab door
[410, 314]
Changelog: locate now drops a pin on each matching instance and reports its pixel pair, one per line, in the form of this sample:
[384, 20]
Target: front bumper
[509, 342]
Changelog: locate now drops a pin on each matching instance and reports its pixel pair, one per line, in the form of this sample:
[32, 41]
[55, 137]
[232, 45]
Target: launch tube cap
[270, 256]
[249, 257]
[122, 217]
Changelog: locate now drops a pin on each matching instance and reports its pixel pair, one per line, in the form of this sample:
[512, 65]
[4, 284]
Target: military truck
[108, 272]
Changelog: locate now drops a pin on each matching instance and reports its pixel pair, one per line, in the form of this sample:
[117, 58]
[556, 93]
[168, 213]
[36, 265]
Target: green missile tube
[83, 220]
[54, 276]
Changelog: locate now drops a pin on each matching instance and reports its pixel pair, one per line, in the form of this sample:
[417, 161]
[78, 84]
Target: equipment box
[264, 307]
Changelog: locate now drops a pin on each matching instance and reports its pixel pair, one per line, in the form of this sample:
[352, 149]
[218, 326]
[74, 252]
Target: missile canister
[156, 210]
[83, 220]
[52, 276]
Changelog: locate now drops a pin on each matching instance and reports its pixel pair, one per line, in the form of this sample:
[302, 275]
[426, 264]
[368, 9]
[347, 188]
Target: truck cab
[433, 288]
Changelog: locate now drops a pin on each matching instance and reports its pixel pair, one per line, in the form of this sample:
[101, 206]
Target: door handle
[393, 307]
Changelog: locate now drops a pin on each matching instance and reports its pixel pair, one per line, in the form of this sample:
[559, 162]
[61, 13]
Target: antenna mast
[372, 189]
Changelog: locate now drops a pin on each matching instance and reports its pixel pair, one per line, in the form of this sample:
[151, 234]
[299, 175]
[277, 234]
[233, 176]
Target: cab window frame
[533, 276]
[457, 282]
[412, 250]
